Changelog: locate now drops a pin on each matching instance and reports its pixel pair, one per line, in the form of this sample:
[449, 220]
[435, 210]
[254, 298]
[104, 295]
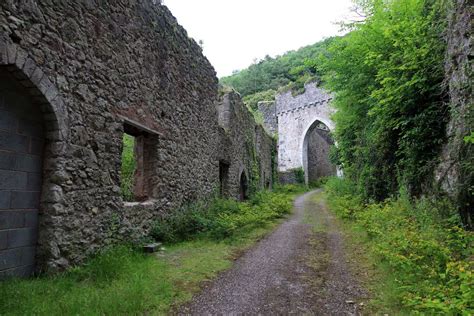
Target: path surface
[298, 269]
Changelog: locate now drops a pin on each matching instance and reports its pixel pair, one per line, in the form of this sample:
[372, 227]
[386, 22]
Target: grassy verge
[412, 255]
[123, 281]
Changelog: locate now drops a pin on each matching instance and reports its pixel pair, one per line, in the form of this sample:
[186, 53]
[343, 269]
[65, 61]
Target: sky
[235, 33]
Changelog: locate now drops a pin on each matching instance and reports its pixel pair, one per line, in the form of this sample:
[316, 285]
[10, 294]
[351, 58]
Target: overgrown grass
[423, 257]
[124, 281]
[219, 219]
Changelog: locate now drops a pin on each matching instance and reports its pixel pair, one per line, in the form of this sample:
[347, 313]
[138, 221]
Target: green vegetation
[387, 75]
[421, 255]
[299, 175]
[292, 70]
[221, 219]
[128, 167]
[123, 281]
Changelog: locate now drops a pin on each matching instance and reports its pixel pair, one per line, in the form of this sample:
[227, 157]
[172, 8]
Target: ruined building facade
[303, 124]
[74, 77]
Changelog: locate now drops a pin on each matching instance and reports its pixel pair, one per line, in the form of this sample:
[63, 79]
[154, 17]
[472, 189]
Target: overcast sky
[235, 32]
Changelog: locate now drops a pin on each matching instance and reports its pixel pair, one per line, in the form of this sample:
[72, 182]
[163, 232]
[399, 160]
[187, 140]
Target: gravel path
[298, 269]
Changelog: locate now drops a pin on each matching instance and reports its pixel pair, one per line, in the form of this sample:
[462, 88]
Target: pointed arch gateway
[316, 144]
[33, 130]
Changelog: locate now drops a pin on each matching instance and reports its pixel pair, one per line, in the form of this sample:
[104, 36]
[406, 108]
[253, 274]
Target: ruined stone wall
[248, 147]
[96, 69]
[455, 173]
[269, 113]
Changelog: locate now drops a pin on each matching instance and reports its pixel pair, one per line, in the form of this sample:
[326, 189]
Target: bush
[299, 175]
[220, 219]
[423, 244]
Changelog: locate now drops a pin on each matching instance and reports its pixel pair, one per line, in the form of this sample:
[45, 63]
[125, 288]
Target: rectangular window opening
[134, 177]
[129, 164]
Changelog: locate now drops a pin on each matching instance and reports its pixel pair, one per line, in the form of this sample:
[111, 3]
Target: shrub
[220, 219]
[423, 244]
[299, 175]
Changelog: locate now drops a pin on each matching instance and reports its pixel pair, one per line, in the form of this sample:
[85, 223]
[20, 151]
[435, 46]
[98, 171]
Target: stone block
[12, 219]
[37, 76]
[10, 258]
[11, 53]
[3, 239]
[29, 67]
[24, 200]
[31, 218]
[33, 182]
[28, 163]
[19, 272]
[8, 121]
[151, 248]
[7, 161]
[13, 180]
[22, 237]
[21, 57]
[5, 197]
[28, 256]
[13, 142]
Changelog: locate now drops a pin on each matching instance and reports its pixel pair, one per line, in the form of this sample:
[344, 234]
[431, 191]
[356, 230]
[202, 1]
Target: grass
[123, 281]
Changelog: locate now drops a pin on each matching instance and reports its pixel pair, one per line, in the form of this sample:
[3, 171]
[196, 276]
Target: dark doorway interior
[243, 187]
[223, 179]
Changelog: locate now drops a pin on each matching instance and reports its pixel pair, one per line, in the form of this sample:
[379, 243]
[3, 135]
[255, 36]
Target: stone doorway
[21, 154]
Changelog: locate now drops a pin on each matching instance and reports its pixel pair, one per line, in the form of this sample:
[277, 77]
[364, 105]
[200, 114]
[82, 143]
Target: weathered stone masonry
[89, 70]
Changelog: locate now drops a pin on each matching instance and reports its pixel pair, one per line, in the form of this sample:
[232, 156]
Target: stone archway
[243, 187]
[315, 152]
[32, 134]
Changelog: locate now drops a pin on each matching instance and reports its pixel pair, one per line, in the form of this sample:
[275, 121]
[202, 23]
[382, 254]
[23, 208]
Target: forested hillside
[262, 80]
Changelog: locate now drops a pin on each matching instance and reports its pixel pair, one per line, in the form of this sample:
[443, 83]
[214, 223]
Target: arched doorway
[316, 146]
[34, 127]
[21, 154]
[243, 189]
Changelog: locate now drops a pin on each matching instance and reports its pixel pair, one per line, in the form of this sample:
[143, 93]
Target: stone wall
[455, 173]
[269, 113]
[249, 148]
[95, 70]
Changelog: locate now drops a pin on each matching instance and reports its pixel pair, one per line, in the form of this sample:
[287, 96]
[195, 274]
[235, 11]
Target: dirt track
[298, 269]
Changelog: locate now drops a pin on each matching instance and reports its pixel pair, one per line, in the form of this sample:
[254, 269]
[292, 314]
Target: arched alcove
[32, 133]
[315, 152]
[243, 187]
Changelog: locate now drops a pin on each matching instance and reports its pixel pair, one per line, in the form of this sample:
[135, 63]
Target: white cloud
[236, 32]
